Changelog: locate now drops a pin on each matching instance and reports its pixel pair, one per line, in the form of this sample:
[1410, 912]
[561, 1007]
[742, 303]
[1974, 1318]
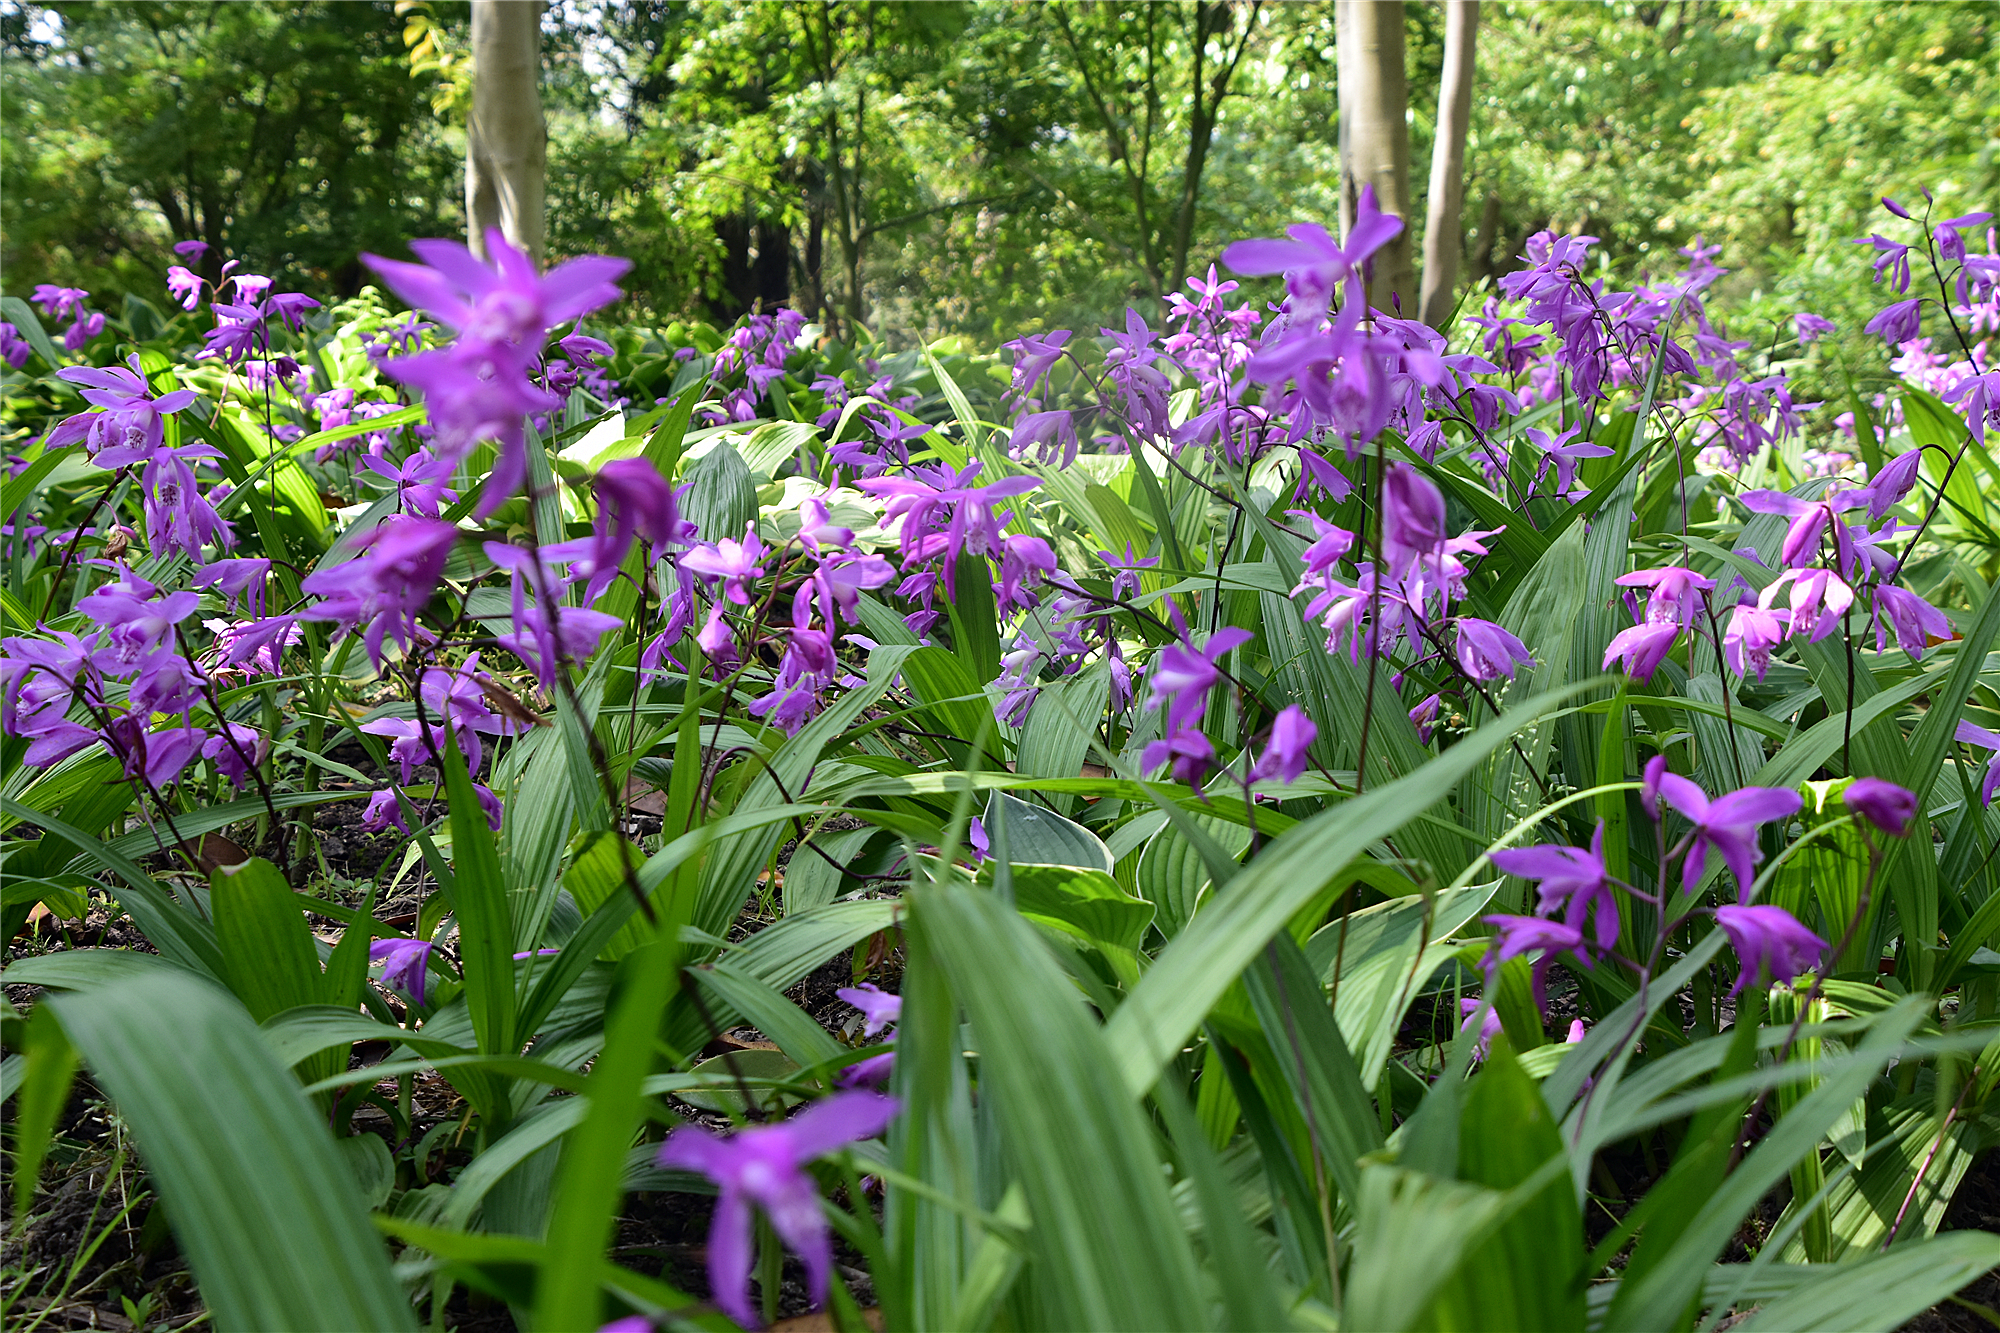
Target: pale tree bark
[1375, 138]
[1444, 232]
[506, 143]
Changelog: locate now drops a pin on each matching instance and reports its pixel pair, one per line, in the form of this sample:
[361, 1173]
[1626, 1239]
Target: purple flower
[159, 757]
[1424, 717]
[1191, 752]
[1985, 740]
[507, 303]
[1727, 825]
[1915, 620]
[1898, 323]
[765, 1168]
[1770, 941]
[1488, 1029]
[14, 349]
[408, 961]
[877, 1006]
[384, 811]
[1892, 258]
[943, 513]
[1810, 518]
[235, 751]
[1518, 935]
[1571, 879]
[1882, 803]
[1887, 488]
[734, 562]
[1487, 652]
[1312, 262]
[1980, 396]
[59, 302]
[1182, 677]
[419, 480]
[235, 579]
[1284, 758]
[1811, 327]
[1564, 456]
[382, 589]
[129, 428]
[1125, 583]
[479, 387]
[1641, 648]
[1412, 518]
[873, 1072]
[1676, 593]
[1753, 632]
[633, 499]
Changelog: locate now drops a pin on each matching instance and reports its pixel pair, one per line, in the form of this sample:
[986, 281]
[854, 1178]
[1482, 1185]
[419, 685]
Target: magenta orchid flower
[878, 1008]
[1572, 879]
[1969, 734]
[1882, 803]
[1770, 942]
[1284, 757]
[764, 1168]
[406, 962]
[1727, 825]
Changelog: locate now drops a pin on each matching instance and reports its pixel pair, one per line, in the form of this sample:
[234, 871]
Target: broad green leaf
[1305, 1038]
[1166, 1007]
[1882, 1291]
[722, 499]
[266, 1211]
[1658, 1299]
[175, 931]
[1413, 1230]
[1525, 1275]
[1036, 836]
[45, 1088]
[485, 926]
[1108, 1247]
[1089, 905]
[268, 957]
[593, 1163]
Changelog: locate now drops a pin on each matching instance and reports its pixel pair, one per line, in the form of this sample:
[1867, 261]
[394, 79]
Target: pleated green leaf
[267, 1212]
[1883, 1291]
[1109, 1251]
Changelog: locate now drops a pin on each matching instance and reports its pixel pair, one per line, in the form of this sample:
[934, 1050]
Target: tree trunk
[506, 143]
[1375, 139]
[1444, 233]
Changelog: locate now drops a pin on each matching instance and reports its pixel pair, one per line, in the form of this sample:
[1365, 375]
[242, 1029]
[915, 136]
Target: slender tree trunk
[1374, 138]
[1444, 232]
[506, 143]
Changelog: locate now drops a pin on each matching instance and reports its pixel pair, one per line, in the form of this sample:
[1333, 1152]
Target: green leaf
[1042, 837]
[268, 957]
[1883, 1291]
[1089, 905]
[1413, 1231]
[722, 499]
[22, 316]
[485, 926]
[593, 1166]
[797, 1035]
[1166, 1007]
[45, 1088]
[176, 932]
[262, 1204]
[1109, 1251]
[1670, 1285]
[1315, 1060]
[1524, 1275]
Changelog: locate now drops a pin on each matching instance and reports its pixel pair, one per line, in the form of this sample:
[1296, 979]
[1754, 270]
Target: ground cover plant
[1323, 823]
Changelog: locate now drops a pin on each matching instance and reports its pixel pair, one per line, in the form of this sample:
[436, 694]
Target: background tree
[1375, 137]
[1443, 238]
[506, 142]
